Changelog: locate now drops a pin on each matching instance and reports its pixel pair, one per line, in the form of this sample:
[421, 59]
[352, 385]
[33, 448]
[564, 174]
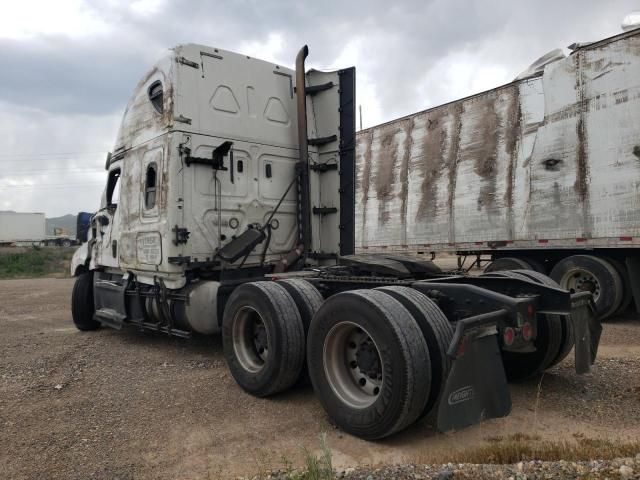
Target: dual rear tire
[606, 278]
[263, 338]
[376, 358]
[515, 263]
[369, 363]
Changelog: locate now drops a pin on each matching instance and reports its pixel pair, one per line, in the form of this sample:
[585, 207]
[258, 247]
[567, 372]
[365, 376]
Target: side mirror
[108, 162]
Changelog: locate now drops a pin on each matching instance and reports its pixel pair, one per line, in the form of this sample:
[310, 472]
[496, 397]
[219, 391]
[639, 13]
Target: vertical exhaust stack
[304, 210]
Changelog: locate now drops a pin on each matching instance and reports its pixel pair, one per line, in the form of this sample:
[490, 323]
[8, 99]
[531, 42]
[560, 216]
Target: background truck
[542, 173]
[27, 229]
[21, 227]
[229, 208]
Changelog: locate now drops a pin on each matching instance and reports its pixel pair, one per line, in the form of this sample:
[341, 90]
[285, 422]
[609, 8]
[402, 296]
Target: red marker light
[530, 310]
[508, 336]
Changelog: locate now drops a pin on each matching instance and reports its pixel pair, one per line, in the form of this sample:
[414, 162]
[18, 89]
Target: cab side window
[113, 188]
[156, 96]
[150, 186]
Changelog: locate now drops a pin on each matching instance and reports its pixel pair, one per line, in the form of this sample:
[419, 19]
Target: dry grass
[523, 447]
[315, 467]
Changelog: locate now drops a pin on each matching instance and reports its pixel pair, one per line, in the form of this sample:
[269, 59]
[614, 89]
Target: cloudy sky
[69, 66]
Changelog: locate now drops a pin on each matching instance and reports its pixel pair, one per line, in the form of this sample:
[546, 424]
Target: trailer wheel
[596, 275]
[627, 294]
[515, 263]
[369, 363]
[437, 332]
[308, 300]
[263, 338]
[568, 340]
[522, 365]
[82, 306]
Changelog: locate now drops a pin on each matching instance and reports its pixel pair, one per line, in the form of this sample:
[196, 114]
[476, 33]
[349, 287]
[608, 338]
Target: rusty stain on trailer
[452, 167]
[512, 133]
[582, 162]
[433, 162]
[384, 177]
[366, 177]
[482, 148]
[404, 174]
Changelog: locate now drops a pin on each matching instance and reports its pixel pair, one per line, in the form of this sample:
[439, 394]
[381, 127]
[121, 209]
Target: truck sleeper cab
[229, 208]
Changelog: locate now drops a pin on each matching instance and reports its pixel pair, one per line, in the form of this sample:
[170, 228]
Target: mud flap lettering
[476, 388]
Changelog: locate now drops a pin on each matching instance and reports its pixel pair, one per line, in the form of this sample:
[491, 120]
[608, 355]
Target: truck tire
[263, 338]
[515, 263]
[523, 365]
[368, 363]
[587, 272]
[308, 300]
[627, 294]
[437, 332]
[568, 340]
[82, 306]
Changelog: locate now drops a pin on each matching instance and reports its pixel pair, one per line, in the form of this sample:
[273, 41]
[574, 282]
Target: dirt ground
[133, 404]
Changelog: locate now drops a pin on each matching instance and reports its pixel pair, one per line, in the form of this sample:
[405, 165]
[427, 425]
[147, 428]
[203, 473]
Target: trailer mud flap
[586, 330]
[476, 388]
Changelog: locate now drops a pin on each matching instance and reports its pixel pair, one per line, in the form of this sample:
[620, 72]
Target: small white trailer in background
[27, 228]
[18, 227]
[542, 173]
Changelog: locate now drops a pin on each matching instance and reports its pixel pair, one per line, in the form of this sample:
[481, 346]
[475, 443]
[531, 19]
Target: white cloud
[26, 19]
[366, 94]
[458, 75]
[53, 162]
[147, 7]
[270, 49]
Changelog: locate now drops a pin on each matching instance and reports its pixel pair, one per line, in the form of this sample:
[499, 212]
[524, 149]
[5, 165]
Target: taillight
[508, 336]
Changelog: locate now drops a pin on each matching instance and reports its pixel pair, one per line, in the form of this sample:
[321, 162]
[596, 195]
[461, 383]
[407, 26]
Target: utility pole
[360, 108]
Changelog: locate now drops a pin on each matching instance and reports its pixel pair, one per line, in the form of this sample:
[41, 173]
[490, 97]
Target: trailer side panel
[549, 161]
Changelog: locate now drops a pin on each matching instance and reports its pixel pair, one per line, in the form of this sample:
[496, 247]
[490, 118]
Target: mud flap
[586, 330]
[476, 388]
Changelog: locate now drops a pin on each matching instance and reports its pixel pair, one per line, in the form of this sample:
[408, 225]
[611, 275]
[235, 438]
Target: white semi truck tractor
[230, 209]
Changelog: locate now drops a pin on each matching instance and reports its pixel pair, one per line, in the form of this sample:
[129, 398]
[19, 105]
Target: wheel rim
[580, 280]
[352, 365]
[250, 339]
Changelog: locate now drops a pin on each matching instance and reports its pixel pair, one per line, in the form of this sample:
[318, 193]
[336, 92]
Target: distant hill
[68, 222]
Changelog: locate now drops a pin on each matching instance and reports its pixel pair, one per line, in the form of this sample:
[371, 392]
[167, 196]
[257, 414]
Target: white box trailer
[21, 227]
[542, 173]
